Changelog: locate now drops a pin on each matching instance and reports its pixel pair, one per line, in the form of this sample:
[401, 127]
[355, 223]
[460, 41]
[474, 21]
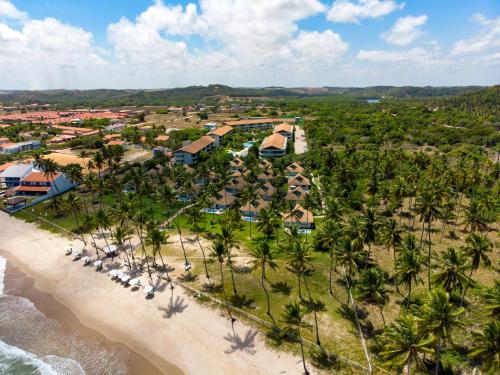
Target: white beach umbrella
[68, 249]
[135, 282]
[110, 249]
[125, 278]
[149, 290]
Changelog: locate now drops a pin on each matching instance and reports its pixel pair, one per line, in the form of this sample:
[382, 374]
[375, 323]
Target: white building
[190, 153]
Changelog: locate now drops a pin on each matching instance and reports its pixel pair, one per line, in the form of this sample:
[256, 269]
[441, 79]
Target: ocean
[33, 343]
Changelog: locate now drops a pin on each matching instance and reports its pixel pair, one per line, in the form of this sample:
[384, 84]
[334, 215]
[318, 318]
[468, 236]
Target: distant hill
[481, 102]
[211, 93]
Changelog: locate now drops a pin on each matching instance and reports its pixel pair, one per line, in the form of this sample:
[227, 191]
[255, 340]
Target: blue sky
[167, 43]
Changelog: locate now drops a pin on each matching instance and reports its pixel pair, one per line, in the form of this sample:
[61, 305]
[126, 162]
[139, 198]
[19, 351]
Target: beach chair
[134, 282]
[68, 249]
[149, 291]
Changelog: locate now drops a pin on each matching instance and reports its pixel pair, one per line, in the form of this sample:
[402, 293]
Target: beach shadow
[112, 266]
[188, 277]
[243, 344]
[281, 287]
[175, 306]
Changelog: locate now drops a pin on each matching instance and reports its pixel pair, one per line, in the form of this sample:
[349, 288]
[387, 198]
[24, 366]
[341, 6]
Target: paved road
[300, 140]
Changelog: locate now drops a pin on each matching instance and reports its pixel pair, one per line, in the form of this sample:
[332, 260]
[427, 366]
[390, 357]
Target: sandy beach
[172, 330]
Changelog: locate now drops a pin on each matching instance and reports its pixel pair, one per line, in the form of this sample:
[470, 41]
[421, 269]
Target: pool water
[248, 144]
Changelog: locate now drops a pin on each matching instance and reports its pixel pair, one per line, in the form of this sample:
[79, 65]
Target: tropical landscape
[303, 230]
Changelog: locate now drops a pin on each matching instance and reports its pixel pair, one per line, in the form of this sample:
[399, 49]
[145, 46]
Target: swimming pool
[248, 144]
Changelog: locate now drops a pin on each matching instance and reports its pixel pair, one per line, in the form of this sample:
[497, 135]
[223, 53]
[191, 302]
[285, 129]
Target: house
[299, 180]
[236, 164]
[253, 208]
[211, 126]
[4, 140]
[266, 191]
[273, 146]
[162, 138]
[190, 153]
[251, 124]
[63, 138]
[265, 164]
[294, 169]
[72, 130]
[265, 176]
[11, 176]
[235, 185]
[299, 217]
[298, 194]
[14, 148]
[38, 183]
[222, 200]
[219, 134]
[285, 130]
[110, 137]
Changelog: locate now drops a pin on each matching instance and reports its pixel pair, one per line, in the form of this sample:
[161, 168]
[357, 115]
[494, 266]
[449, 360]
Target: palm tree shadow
[175, 306]
[281, 287]
[242, 344]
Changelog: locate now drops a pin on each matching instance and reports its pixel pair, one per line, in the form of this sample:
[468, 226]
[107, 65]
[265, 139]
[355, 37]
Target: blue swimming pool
[248, 144]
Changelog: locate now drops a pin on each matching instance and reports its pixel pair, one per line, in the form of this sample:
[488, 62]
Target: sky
[53, 44]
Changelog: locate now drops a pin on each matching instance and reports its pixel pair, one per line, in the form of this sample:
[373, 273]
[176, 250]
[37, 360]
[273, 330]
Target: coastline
[184, 339]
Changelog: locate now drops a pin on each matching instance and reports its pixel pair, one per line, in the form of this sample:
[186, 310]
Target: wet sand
[17, 283]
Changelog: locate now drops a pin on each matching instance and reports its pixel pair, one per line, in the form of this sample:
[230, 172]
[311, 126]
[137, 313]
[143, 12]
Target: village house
[222, 200]
[14, 148]
[11, 176]
[219, 134]
[236, 164]
[285, 129]
[299, 217]
[266, 191]
[296, 194]
[37, 183]
[190, 153]
[235, 185]
[273, 146]
[253, 208]
[299, 180]
[294, 169]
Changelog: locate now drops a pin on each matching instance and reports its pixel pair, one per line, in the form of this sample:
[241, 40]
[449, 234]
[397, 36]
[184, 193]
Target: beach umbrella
[135, 282]
[125, 278]
[110, 249]
[149, 290]
[68, 249]
[98, 264]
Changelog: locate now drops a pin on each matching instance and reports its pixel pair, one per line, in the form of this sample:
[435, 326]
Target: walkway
[300, 140]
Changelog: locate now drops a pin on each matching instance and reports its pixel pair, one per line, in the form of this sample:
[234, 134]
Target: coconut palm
[391, 235]
[405, 344]
[474, 216]
[103, 221]
[293, 317]
[140, 220]
[409, 264]
[351, 256]
[427, 206]
[264, 256]
[226, 236]
[371, 288]
[486, 347]
[193, 216]
[49, 169]
[249, 194]
[492, 298]
[477, 248]
[156, 238]
[219, 253]
[439, 318]
[452, 274]
[370, 225]
[74, 204]
[120, 235]
[266, 224]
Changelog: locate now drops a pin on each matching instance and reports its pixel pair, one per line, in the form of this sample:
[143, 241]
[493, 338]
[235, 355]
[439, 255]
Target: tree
[266, 223]
[120, 234]
[49, 169]
[74, 204]
[409, 262]
[249, 193]
[103, 221]
[371, 287]
[405, 344]
[156, 238]
[293, 317]
[474, 216]
[370, 226]
[193, 216]
[452, 274]
[219, 253]
[226, 236]
[440, 318]
[486, 347]
[391, 235]
[264, 256]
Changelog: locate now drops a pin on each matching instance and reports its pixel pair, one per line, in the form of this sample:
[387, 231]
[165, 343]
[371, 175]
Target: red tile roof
[40, 177]
[275, 140]
[198, 145]
[222, 131]
[40, 189]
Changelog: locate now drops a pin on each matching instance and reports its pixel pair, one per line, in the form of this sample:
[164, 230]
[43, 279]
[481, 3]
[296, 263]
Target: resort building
[253, 208]
[12, 176]
[211, 126]
[222, 200]
[37, 183]
[236, 164]
[219, 134]
[251, 124]
[299, 217]
[294, 169]
[236, 185]
[190, 153]
[265, 176]
[14, 148]
[286, 130]
[265, 164]
[298, 194]
[273, 146]
[266, 191]
[299, 181]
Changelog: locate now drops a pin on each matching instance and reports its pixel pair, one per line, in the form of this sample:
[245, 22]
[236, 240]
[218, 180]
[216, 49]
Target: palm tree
[391, 235]
[226, 236]
[371, 287]
[156, 238]
[486, 347]
[103, 221]
[74, 204]
[249, 193]
[49, 169]
[370, 226]
[219, 253]
[427, 207]
[263, 255]
[266, 223]
[477, 248]
[492, 298]
[452, 274]
[89, 222]
[293, 317]
[120, 234]
[140, 219]
[351, 256]
[409, 262]
[474, 216]
[440, 318]
[405, 344]
[193, 216]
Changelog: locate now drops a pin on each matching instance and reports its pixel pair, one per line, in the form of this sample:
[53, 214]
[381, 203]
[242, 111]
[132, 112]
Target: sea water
[32, 343]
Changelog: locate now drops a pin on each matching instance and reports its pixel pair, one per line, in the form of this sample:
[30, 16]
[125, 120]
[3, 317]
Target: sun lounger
[135, 282]
[110, 250]
[125, 278]
[87, 260]
[115, 274]
[68, 249]
[77, 255]
[149, 290]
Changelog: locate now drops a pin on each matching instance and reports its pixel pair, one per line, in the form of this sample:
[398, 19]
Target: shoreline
[45, 303]
[172, 330]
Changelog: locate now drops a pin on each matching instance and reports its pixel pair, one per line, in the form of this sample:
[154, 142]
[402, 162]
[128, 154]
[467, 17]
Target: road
[300, 140]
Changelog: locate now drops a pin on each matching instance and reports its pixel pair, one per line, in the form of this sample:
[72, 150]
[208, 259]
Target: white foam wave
[58, 365]
[3, 263]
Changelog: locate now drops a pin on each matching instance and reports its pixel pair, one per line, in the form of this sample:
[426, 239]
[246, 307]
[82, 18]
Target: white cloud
[407, 58]
[405, 31]
[319, 46]
[490, 60]
[9, 10]
[345, 11]
[487, 38]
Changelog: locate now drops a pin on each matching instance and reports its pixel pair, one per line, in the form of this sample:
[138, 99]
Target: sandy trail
[171, 327]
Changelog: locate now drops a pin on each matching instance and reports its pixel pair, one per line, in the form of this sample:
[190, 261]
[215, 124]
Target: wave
[14, 360]
[3, 264]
